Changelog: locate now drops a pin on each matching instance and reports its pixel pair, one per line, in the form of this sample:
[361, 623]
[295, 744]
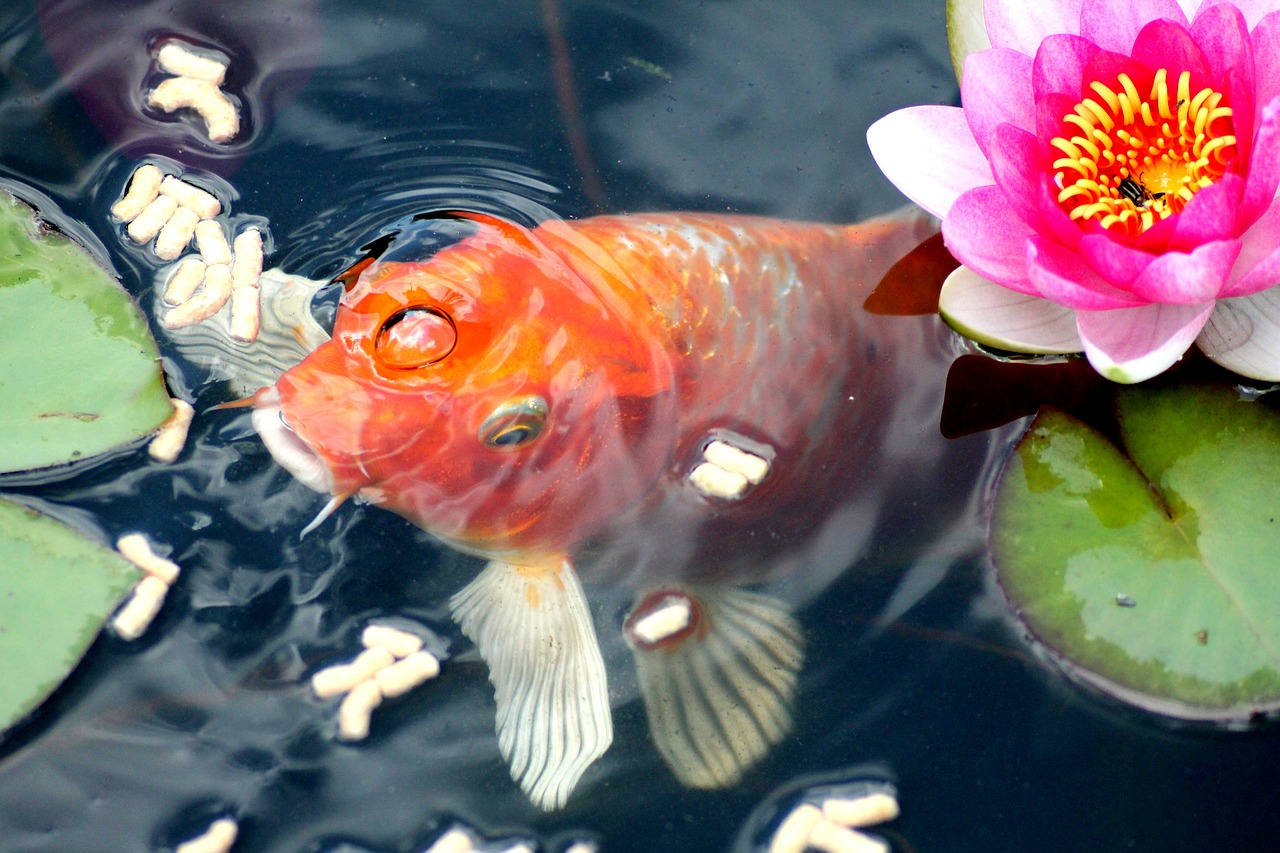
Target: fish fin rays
[720, 697]
[533, 628]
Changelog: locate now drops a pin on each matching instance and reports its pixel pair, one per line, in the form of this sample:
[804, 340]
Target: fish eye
[415, 337]
[515, 423]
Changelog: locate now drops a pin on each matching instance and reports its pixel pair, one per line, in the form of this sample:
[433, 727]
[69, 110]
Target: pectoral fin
[533, 628]
[717, 671]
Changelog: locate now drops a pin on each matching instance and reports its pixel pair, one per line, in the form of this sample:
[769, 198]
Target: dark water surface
[361, 114]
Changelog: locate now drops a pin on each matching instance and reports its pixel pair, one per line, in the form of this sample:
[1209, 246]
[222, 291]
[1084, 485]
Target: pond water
[363, 114]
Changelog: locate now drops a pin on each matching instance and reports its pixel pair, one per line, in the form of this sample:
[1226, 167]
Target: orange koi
[682, 402]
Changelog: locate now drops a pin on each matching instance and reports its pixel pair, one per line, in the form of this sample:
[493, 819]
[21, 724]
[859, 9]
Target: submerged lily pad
[56, 589]
[81, 373]
[1152, 572]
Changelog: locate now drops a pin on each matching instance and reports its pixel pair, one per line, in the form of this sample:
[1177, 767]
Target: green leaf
[56, 589]
[966, 31]
[81, 372]
[1153, 575]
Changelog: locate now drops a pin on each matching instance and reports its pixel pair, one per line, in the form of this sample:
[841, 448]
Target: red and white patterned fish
[680, 402]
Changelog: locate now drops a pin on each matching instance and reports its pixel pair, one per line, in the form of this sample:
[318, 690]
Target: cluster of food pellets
[148, 595]
[196, 85]
[172, 211]
[727, 472]
[393, 663]
[833, 826]
[462, 840]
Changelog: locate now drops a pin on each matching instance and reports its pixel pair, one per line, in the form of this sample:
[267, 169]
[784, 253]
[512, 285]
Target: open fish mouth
[286, 446]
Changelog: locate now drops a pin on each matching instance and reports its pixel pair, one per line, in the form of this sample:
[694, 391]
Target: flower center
[1131, 162]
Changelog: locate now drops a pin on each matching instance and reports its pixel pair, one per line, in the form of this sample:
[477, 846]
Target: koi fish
[680, 402]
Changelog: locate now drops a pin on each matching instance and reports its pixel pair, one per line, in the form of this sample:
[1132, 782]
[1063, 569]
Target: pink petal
[985, 236]
[1022, 169]
[1062, 276]
[1244, 335]
[1266, 58]
[930, 155]
[996, 90]
[1175, 278]
[1253, 10]
[1264, 167]
[1135, 344]
[1060, 65]
[1258, 266]
[1210, 215]
[1115, 25]
[1114, 261]
[1223, 36]
[1164, 44]
[1021, 26]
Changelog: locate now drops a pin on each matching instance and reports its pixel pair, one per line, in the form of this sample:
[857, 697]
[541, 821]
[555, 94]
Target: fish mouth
[286, 446]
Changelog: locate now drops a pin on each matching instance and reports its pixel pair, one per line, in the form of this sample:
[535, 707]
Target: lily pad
[56, 589]
[966, 31]
[81, 370]
[1151, 572]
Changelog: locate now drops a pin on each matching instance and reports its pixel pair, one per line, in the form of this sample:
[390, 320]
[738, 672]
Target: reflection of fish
[541, 397]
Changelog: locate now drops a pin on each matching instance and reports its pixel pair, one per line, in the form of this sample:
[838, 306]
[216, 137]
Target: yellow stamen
[1130, 161]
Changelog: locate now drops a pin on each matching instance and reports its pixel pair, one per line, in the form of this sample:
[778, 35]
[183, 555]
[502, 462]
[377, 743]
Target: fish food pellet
[180, 61]
[147, 224]
[172, 435]
[211, 239]
[792, 835]
[205, 205]
[185, 281]
[356, 710]
[454, 841]
[246, 314]
[221, 119]
[716, 482]
[404, 675]
[140, 610]
[832, 838]
[730, 458]
[246, 268]
[218, 838]
[343, 677]
[861, 811]
[663, 623]
[399, 643]
[135, 548]
[144, 186]
[207, 301]
[176, 234]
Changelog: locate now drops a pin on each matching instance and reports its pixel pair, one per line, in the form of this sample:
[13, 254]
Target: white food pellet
[581, 847]
[190, 196]
[177, 59]
[832, 838]
[218, 838]
[141, 608]
[520, 847]
[714, 481]
[792, 835]
[184, 282]
[172, 435]
[219, 113]
[246, 269]
[730, 458]
[861, 811]
[246, 313]
[147, 224]
[207, 302]
[144, 186]
[356, 710]
[343, 677]
[212, 242]
[404, 675]
[663, 623]
[453, 841]
[399, 643]
[176, 234]
[135, 548]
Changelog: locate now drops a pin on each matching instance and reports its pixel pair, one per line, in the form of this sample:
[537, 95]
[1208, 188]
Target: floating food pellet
[207, 302]
[135, 548]
[185, 281]
[172, 435]
[356, 710]
[879, 807]
[792, 835]
[404, 675]
[140, 610]
[176, 234]
[179, 60]
[147, 224]
[730, 458]
[345, 676]
[188, 195]
[716, 482]
[246, 269]
[218, 838]
[220, 116]
[246, 314]
[832, 838]
[399, 643]
[211, 239]
[454, 841]
[144, 186]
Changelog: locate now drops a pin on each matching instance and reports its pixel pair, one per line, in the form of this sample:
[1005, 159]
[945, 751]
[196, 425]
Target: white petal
[533, 627]
[1005, 319]
[1243, 335]
[930, 155]
[1134, 344]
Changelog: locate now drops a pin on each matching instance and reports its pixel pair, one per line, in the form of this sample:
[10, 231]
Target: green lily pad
[966, 31]
[1152, 575]
[56, 589]
[81, 373]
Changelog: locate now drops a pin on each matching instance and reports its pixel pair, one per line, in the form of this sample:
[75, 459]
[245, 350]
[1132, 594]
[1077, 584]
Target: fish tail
[718, 670]
[532, 626]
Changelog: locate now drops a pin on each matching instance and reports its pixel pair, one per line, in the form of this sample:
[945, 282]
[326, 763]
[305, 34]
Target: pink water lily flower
[1110, 183]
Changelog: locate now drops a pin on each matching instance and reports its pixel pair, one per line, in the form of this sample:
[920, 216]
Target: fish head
[490, 394]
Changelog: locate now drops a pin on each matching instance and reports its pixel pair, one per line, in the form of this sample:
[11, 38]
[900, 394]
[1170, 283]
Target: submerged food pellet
[356, 711]
[404, 675]
[879, 807]
[832, 838]
[792, 835]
